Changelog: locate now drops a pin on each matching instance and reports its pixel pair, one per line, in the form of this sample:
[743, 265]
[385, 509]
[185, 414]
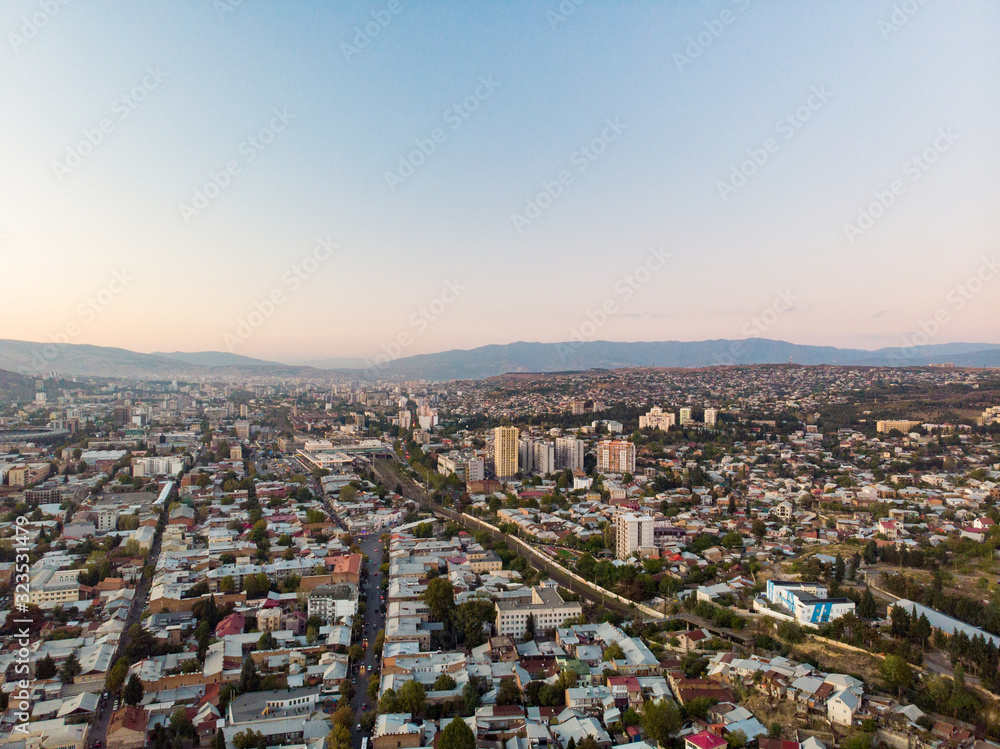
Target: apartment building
[545, 605]
[633, 532]
[657, 418]
[615, 456]
[165, 465]
[332, 603]
[466, 466]
[569, 454]
[505, 452]
[543, 458]
[883, 426]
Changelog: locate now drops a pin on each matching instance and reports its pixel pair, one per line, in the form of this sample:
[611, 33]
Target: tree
[588, 742]
[444, 683]
[70, 669]
[220, 740]
[509, 693]
[267, 642]
[529, 628]
[661, 720]
[897, 673]
[736, 739]
[440, 598]
[774, 731]
[248, 739]
[470, 696]
[389, 702]
[838, 568]
[413, 697]
[614, 652]
[866, 606]
[227, 585]
[46, 668]
[117, 675]
[759, 529]
[249, 678]
[457, 735]
[133, 691]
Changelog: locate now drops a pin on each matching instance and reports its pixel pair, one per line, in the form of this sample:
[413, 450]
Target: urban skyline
[351, 175]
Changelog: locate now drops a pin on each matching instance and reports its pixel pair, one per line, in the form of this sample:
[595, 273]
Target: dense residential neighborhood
[778, 556]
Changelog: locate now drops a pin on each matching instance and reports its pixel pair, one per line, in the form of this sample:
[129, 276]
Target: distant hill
[14, 386]
[343, 362]
[216, 359]
[103, 361]
[486, 361]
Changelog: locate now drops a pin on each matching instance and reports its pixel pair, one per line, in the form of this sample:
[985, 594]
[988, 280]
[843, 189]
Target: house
[693, 638]
[842, 707]
[395, 731]
[128, 728]
[704, 740]
[231, 625]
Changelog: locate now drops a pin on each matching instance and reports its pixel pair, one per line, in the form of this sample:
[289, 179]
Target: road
[374, 620]
[102, 718]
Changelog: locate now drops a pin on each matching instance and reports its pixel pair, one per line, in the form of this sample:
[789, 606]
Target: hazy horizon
[297, 183]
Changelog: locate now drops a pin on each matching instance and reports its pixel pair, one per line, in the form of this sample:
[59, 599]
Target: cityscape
[551, 375]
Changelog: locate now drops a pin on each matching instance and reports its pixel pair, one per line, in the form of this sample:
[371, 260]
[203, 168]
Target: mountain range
[34, 359]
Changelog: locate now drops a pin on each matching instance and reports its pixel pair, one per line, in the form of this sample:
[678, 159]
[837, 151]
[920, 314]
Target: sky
[301, 180]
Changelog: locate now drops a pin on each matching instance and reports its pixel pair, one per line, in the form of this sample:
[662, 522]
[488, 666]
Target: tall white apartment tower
[569, 454]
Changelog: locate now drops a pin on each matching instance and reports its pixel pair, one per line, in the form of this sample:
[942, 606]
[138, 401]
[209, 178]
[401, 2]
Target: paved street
[102, 718]
[374, 620]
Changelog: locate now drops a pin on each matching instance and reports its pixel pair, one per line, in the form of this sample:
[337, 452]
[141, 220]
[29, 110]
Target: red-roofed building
[625, 690]
[345, 568]
[231, 625]
[127, 729]
[704, 740]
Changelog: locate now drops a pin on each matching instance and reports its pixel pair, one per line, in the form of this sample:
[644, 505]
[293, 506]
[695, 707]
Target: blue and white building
[808, 602]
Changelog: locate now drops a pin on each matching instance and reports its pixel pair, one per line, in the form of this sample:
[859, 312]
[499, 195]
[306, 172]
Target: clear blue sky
[887, 90]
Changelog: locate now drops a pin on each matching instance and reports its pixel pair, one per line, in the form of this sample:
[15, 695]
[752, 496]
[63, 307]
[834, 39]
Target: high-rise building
[615, 456]
[544, 458]
[711, 416]
[505, 448]
[526, 454]
[657, 418]
[634, 532]
[685, 416]
[242, 430]
[569, 453]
